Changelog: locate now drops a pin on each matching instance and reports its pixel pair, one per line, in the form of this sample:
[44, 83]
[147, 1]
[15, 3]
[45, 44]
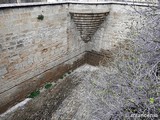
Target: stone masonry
[33, 51]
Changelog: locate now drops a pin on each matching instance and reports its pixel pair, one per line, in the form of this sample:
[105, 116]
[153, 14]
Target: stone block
[1, 47]
[3, 70]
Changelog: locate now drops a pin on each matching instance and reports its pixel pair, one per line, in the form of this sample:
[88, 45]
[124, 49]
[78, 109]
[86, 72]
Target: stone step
[83, 26]
[89, 17]
[87, 14]
[86, 27]
[89, 20]
[89, 32]
[89, 23]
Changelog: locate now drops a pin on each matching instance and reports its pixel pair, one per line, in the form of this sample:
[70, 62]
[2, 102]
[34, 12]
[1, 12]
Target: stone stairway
[88, 23]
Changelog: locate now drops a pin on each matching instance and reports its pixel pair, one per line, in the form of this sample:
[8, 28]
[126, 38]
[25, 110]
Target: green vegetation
[34, 94]
[151, 100]
[66, 74]
[48, 85]
[40, 17]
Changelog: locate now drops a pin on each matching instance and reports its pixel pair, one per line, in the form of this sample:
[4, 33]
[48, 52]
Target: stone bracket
[88, 23]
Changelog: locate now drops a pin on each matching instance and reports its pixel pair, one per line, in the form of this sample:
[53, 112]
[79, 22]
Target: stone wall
[8, 1]
[115, 29]
[20, 1]
[26, 1]
[34, 51]
[85, 1]
[29, 47]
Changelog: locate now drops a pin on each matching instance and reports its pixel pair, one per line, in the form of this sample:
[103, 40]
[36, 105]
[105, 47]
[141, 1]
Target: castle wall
[29, 47]
[33, 51]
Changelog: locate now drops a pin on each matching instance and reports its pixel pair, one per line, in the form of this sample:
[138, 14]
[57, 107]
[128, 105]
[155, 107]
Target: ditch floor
[78, 96]
[66, 100]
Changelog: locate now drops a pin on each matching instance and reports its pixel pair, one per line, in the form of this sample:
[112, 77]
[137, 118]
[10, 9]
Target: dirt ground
[81, 103]
[88, 93]
[68, 101]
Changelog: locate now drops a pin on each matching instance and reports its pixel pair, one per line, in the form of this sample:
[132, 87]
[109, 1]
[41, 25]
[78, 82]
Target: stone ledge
[18, 5]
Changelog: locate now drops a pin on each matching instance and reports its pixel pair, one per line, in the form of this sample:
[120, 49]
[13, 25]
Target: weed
[34, 94]
[48, 85]
[40, 17]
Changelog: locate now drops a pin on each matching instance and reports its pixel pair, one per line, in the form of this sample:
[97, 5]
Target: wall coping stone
[19, 5]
